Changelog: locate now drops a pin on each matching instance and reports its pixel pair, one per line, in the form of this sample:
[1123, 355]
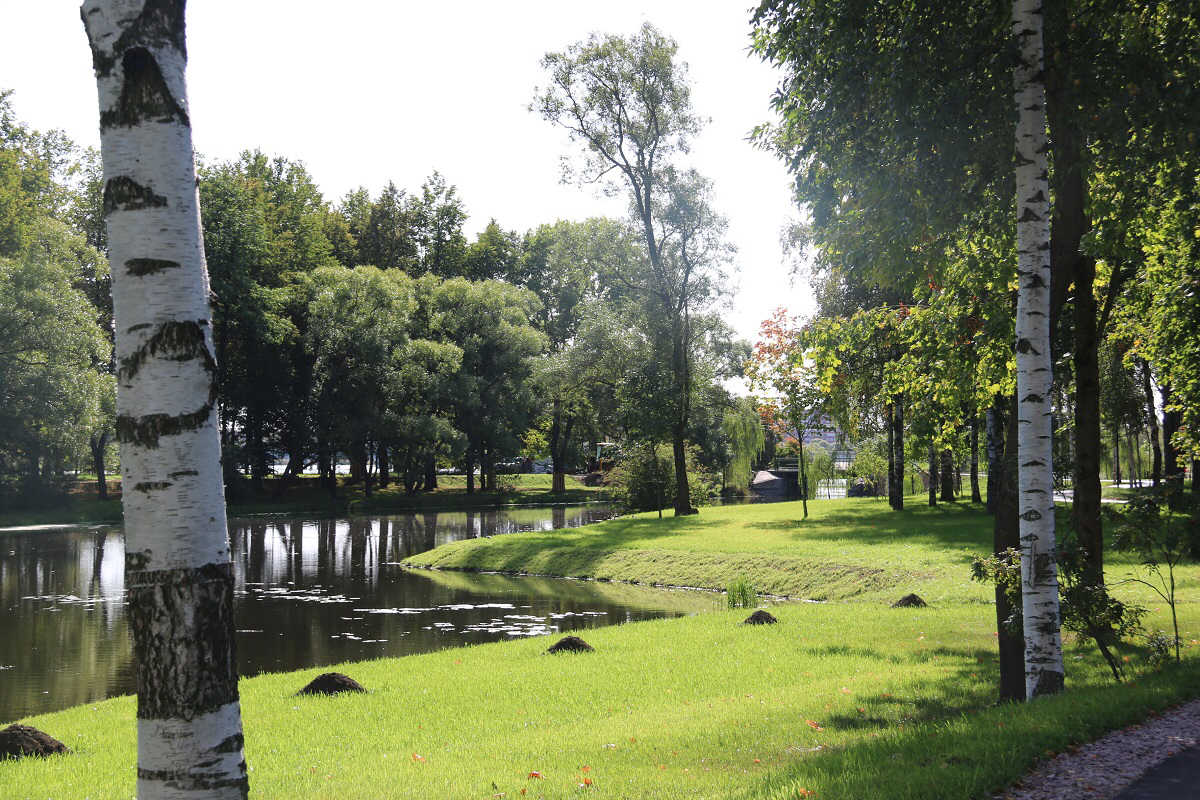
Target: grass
[846, 548]
[848, 699]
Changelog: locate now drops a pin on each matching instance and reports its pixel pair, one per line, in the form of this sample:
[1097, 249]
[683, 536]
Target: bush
[641, 479]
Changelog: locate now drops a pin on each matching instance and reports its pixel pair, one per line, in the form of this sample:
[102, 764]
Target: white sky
[367, 91]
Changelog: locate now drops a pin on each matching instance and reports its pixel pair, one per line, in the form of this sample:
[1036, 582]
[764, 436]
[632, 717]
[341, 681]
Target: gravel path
[1102, 769]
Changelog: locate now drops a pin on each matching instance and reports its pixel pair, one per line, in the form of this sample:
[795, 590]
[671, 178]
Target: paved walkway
[1177, 778]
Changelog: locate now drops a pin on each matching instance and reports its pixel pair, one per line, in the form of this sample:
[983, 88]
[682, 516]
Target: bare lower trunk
[683, 499]
[976, 497]
[1172, 465]
[933, 475]
[900, 452]
[98, 445]
[1006, 535]
[890, 421]
[947, 474]
[179, 576]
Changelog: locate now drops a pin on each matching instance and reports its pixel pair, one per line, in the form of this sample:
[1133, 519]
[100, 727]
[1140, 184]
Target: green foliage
[740, 593]
[644, 478]
[743, 429]
[1159, 527]
[53, 356]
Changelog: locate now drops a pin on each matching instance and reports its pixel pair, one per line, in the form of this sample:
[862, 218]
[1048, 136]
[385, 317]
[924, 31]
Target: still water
[309, 593]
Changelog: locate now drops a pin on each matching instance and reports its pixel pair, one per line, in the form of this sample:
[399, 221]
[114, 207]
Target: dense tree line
[897, 122]
[368, 331]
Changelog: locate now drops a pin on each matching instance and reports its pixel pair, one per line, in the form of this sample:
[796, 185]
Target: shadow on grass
[969, 748]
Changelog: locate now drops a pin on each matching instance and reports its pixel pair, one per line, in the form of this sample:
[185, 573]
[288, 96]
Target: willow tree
[178, 571]
[1039, 578]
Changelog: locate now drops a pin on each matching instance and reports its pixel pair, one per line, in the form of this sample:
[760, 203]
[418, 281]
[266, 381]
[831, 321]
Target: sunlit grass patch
[858, 701]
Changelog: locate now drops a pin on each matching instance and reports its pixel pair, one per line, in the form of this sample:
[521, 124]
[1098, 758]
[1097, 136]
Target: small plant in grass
[1153, 527]
[1162, 647]
[740, 593]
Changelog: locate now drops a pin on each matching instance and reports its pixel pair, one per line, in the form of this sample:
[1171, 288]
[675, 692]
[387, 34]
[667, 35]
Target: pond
[309, 593]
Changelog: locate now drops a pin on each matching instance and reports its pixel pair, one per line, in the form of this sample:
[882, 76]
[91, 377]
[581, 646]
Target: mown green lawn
[847, 699]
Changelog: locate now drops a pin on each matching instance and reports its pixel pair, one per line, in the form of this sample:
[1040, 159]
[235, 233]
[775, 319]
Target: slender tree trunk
[683, 387]
[1172, 466]
[1152, 415]
[470, 465]
[890, 424]
[179, 576]
[899, 402]
[99, 445]
[385, 467]
[1116, 455]
[1006, 535]
[947, 474]
[1071, 265]
[933, 475]
[995, 446]
[1039, 576]
[976, 497]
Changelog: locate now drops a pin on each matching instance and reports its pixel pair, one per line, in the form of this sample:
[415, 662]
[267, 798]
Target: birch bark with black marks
[1035, 476]
[178, 572]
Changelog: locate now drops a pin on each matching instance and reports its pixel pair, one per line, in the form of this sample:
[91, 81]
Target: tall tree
[627, 102]
[1039, 576]
[178, 571]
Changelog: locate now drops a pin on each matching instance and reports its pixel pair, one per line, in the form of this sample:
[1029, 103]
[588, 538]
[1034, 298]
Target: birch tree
[1039, 578]
[178, 571]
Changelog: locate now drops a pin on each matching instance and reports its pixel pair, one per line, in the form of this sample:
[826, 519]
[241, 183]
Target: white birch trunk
[178, 571]
[1039, 575]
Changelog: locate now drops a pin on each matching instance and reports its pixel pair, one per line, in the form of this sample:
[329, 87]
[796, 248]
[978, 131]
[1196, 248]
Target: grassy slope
[845, 548]
[851, 700]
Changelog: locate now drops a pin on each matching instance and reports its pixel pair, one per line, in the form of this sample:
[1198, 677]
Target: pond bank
[78, 504]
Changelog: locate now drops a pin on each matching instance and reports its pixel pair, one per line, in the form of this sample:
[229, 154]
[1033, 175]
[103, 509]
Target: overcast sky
[364, 92]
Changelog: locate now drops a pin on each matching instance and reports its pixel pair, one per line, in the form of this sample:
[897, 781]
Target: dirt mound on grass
[760, 617]
[331, 683]
[570, 644]
[909, 601]
[18, 741]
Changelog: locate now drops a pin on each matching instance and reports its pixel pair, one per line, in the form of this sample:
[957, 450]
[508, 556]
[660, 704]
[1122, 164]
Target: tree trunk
[995, 447]
[430, 474]
[976, 497]
[900, 452]
[98, 445]
[1172, 466]
[947, 474]
[1071, 265]
[1116, 455]
[683, 498]
[179, 576]
[384, 466]
[1152, 415]
[470, 465]
[1039, 576]
[890, 424]
[1006, 535]
[933, 475]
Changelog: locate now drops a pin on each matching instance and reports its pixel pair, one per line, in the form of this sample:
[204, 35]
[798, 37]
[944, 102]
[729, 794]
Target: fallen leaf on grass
[813, 725]
[535, 774]
[416, 757]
